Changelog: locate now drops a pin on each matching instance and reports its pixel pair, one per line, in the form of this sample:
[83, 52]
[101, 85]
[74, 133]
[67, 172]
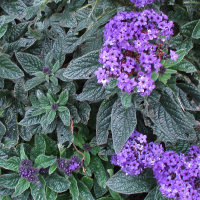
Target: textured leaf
[123, 122]
[3, 29]
[65, 117]
[38, 193]
[10, 164]
[42, 98]
[2, 130]
[74, 191]
[84, 191]
[155, 194]
[84, 111]
[29, 119]
[64, 133]
[43, 161]
[126, 100]
[22, 186]
[170, 122]
[83, 67]
[31, 83]
[9, 180]
[50, 195]
[63, 98]
[185, 66]
[127, 184]
[104, 120]
[8, 69]
[99, 171]
[30, 63]
[92, 92]
[39, 147]
[57, 183]
[196, 31]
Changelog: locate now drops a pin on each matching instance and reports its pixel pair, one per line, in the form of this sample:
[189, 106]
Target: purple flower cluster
[179, 175]
[69, 165]
[135, 43]
[28, 172]
[141, 3]
[137, 154]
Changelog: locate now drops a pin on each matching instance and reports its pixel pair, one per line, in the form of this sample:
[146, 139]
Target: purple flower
[46, 70]
[28, 172]
[133, 49]
[54, 107]
[173, 55]
[67, 166]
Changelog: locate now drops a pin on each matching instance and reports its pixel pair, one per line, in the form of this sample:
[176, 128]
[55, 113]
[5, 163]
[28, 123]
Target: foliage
[51, 105]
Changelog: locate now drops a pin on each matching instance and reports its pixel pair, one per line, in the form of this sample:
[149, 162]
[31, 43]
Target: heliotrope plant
[78, 78]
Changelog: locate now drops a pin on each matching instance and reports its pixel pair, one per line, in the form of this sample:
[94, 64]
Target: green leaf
[127, 184]
[43, 161]
[50, 117]
[65, 117]
[8, 69]
[3, 29]
[188, 28]
[185, 66]
[50, 195]
[38, 193]
[2, 130]
[84, 112]
[98, 170]
[155, 194]
[170, 122]
[22, 186]
[104, 120]
[166, 76]
[74, 191]
[63, 98]
[10, 164]
[88, 182]
[9, 180]
[123, 122]
[39, 147]
[87, 158]
[29, 62]
[56, 67]
[170, 63]
[53, 168]
[92, 92]
[83, 67]
[14, 7]
[196, 31]
[126, 100]
[22, 152]
[57, 183]
[42, 98]
[29, 119]
[31, 83]
[84, 191]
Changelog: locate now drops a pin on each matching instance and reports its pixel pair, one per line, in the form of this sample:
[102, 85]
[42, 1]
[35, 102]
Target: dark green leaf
[2, 130]
[38, 193]
[74, 191]
[43, 161]
[22, 186]
[83, 67]
[29, 62]
[3, 29]
[39, 147]
[185, 66]
[196, 31]
[155, 194]
[92, 92]
[65, 117]
[126, 100]
[127, 184]
[84, 191]
[9, 180]
[88, 182]
[50, 195]
[10, 164]
[63, 98]
[99, 171]
[57, 183]
[123, 122]
[8, 69]
[84, 111]
[31, 83]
